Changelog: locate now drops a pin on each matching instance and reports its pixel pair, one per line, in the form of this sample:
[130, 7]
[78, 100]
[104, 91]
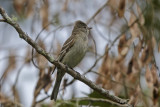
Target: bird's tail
[60, 75]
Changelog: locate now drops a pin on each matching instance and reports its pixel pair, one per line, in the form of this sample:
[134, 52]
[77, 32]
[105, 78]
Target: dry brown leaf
[19, 6]
[122, 42]
[28, 56]
[58, 48]
[149, 78]
[133, 71]
[130, 65]
[137, 50]
[40, 83]
[24, 7]
[41, 60]
[141, 17]
[104, 71]
[65, 6]
[114, 4]
[118, 76]
[12, 61]
[112, 69]
[156, 84]
[134, 29]
[16, 94]
[136, 63]
[6, 102]
[124, 51]
[134, 97]
[154, 73]
[147, 53]
[159, 47]
[132, 79]
[49, 85]
[153, 43]
[121, 8]
[44, 82]
[64, 84]
[45, 14]
[11, 65]
[44, 78]
[30, 7]
[47, 81]
[3, 98]
[153, 83]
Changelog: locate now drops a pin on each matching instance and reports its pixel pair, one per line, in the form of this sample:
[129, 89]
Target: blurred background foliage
[123, 54]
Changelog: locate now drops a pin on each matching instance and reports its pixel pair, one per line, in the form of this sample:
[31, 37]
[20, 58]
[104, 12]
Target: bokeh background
[123, 54]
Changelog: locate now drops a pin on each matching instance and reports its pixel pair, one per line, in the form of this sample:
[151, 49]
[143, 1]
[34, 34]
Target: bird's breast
[77, 52]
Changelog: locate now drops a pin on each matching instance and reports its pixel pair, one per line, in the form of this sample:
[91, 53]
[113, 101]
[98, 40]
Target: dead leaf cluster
[125, 79]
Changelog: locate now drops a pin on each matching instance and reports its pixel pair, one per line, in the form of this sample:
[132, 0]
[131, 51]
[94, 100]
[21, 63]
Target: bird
[72, 52]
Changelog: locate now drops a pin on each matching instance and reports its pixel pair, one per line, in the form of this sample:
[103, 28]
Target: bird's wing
[66, 46]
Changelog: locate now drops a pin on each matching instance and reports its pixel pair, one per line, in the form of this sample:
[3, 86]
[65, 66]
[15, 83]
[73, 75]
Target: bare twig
[97, 12]
[16, 81]
[97, 100]
[2, 20]
[99, 32]
[36, 41]
[42, 99]
[73, 73]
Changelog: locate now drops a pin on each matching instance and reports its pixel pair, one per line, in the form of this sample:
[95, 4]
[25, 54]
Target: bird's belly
[75, 55]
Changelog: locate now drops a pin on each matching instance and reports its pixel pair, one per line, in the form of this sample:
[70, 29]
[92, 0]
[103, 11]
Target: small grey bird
[72, 52]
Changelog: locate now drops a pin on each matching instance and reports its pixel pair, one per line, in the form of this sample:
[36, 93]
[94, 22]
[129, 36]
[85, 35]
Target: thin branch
[2, 20]
[73, 73]
[97, 100]
[99, 32]
[32, 52]
[15, 83]
[97, 12]
[41, 100]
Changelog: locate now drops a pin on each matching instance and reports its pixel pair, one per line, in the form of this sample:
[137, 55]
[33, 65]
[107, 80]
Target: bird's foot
[66, 67]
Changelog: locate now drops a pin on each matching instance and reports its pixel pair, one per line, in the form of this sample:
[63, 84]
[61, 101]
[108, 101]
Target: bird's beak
[89, 28]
